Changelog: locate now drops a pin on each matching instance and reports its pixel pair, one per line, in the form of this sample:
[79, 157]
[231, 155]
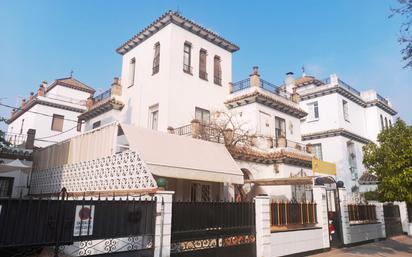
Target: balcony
[14, 139]
[103, 96]
[246, 83]
[343, 85]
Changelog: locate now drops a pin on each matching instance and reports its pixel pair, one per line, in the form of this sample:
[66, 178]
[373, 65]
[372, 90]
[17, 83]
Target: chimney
[289, 82]
[334, 79]
[31, 96]
[31, 134]
[255, 77]
[116, 87]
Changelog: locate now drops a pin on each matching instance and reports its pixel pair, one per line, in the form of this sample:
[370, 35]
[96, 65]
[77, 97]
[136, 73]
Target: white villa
[340, 121]
[52, 112]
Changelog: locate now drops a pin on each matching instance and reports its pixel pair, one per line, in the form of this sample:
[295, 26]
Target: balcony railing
[380, 98]
[362, 213]
[218, 79]
[155, 69]
[106, 94]
[243, 84]
[343, 85]
[13, 139]
[187, 69]
[293, 213]
[203, 75]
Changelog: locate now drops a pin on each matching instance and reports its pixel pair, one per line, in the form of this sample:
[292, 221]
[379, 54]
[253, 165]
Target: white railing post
[319, 197]
[163, 230]
[344, 214]
[403, 211]
[262, 211]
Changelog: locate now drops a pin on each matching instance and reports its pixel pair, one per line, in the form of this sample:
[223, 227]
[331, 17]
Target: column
[163, 223]
[262, 210]
[319, 197]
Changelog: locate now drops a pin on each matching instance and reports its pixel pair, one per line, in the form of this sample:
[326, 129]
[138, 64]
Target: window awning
[183, 157]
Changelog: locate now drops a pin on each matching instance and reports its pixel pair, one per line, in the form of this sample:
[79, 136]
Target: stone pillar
[380, 217]
[196, 130]
[31, 96]
[309, 148]
[334, 79]
[403, 209]
[42, 89]
[231, 88]
[255, 77]
[343, 205]
[116, 87]
[295, 96]
[163, 223]
[89, 102]
[262, 210]
[281, 141]
[170, 130]
[319, 197]
[228, 136]
[31, 134]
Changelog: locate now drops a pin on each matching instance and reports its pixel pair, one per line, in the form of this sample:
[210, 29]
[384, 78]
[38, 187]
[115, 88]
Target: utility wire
[57, 133]
[39, 113]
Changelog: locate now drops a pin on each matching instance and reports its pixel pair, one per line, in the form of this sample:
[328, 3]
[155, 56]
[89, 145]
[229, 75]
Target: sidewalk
[395, 246]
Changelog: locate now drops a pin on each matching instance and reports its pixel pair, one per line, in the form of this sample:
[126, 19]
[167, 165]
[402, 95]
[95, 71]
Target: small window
[132, 71]
[390, 123]
[313, 111]
[79, 125]
[21, 126]
[202, 64]
[317, 151]
[57, 123]
[6, 186]
[280, 127]
[217, 71]
[156, 58]
[154, 117]
[345, 110]
[187, 58]
[202, 115]
[96, 124]
[386, 122]
[382, 125]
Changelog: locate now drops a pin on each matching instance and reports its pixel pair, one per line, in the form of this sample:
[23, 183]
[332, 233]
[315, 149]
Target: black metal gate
[80, 227]
[334, 218]
[217, 229]
[393, 223]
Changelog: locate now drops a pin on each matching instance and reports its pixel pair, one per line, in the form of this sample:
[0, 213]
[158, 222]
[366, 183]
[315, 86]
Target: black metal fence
[213, 229]
[293, 213]
[362, 212]
[58, 222]
[409, 206]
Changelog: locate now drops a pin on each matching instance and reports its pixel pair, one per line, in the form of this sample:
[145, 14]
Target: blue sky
[44, 40]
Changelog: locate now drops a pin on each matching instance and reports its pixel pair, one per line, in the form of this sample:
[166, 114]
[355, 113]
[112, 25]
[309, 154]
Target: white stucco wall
[176, 92]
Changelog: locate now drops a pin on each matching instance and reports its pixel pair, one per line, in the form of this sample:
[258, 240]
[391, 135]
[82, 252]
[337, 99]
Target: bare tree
[227, 127]
[405, 38]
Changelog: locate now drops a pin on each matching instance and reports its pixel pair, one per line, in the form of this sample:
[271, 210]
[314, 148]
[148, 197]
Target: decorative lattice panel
[119, 172]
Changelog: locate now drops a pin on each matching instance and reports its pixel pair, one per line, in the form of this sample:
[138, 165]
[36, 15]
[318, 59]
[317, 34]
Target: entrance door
[393, 223]
[334, 218]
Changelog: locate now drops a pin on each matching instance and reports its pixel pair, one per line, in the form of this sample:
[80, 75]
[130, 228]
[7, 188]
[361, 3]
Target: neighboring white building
[52, 112]
[340, 121]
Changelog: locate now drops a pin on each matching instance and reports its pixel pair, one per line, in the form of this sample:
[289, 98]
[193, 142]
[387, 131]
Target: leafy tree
[405, 38]
[3, 141]
[391, 161]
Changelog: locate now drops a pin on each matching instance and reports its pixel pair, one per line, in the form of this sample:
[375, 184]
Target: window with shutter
[57, 122]
[217, 71]
[202, 64]
[156, 58]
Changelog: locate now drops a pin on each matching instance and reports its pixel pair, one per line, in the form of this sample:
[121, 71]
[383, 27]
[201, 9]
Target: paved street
[396, 246]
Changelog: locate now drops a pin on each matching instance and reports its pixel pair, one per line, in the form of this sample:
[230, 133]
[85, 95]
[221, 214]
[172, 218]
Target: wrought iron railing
[203, 75]
[187, 69]
[380, 98]
[344, 85]
[183, 130]
[293, 213]
[155, 69]
[362, 213]
[243, 84]
[14, 139]
[217, 79]
[106, 94]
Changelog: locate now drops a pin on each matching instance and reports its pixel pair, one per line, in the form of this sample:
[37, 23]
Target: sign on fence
[84, 218]
[323, 167]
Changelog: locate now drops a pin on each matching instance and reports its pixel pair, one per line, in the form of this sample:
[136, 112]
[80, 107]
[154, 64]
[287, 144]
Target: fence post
[380, 216]
[344, 214]
[319, 197]
[262, 210]
[163, 228]
[403, 211]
